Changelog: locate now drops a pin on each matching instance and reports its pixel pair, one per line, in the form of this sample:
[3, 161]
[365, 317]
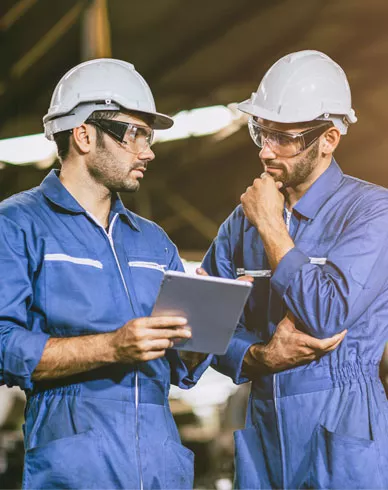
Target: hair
[62, 139]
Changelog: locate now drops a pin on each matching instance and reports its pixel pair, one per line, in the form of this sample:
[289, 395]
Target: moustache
[272, 164]
[143, 164]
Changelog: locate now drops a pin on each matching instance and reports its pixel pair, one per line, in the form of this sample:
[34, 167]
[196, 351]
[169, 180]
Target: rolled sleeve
[22, 340]
[231, 362]
[22, 351]
[330, 297]
[180, 374]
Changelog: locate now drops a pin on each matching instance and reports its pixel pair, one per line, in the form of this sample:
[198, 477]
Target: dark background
[195, 54]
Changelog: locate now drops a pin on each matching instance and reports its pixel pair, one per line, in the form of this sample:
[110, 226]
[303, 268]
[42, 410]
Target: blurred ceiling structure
[194, 54]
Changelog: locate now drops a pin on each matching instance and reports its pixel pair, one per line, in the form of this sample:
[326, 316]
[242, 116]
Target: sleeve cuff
[22, 353]
[284, 273]
[186, 379]
[231, 362]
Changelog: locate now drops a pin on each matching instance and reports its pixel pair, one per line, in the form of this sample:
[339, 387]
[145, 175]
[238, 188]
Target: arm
[21, 342]
[331, 298]
[263, 205]
[289, 347]
[139, 340]
[28, 354]
[247, 357]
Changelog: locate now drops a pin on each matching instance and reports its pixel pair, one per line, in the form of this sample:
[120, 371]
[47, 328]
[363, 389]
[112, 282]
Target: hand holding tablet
[212, 306]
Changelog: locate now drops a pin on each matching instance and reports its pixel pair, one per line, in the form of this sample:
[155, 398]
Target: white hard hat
[101, 84]
[300, 87]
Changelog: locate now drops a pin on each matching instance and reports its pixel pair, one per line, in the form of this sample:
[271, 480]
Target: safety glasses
[134, 137]
[282, 143]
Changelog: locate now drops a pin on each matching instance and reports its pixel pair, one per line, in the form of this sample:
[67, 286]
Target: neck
[293, 194]
[92, 196]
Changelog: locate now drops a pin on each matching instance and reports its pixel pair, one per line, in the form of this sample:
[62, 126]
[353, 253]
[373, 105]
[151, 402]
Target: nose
[266, 153]
[147, 154]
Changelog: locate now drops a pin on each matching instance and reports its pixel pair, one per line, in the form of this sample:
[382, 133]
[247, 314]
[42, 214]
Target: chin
[279, 178]
[130, 186]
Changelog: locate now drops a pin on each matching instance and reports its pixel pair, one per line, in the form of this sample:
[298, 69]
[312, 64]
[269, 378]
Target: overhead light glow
[198, 122]
[193, 123]
[27, 149]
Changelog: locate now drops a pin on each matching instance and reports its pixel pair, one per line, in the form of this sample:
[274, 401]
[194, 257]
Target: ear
[84, 138]
[330, 140]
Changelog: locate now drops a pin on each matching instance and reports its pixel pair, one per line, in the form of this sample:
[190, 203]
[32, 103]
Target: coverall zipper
[277, 413]
[109, 234]
[278, 426]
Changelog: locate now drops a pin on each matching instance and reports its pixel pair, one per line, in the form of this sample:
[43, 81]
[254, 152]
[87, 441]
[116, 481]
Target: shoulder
[20, 207]
[364, 192]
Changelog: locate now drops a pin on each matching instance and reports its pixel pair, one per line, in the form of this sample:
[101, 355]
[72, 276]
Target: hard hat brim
[251, 109]
[339, 120]
[161, 121]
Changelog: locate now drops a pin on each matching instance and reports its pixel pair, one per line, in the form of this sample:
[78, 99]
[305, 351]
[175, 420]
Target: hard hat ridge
[100, 84]
[303, 86]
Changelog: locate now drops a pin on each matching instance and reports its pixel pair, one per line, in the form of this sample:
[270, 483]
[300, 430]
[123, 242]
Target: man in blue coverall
[79, 274]
[79, 277]
[315, 241]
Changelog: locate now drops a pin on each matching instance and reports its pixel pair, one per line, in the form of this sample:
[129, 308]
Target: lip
[140, 171]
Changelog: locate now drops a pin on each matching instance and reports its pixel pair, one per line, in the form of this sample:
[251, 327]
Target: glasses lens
[283, 144]
[135, 138]
[287, 146]
[255, 132]
[138, 138]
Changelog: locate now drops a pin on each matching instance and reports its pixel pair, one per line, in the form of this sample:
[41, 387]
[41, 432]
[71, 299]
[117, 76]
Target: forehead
[290, 127]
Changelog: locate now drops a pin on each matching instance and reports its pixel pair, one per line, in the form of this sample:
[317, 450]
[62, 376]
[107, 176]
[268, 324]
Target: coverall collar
[56, 192]
[320, 191]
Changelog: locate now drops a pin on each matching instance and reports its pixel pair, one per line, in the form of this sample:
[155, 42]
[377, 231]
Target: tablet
[212, 306]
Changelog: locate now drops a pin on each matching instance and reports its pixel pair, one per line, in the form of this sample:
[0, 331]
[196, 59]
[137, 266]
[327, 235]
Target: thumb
[201, 272]
[290, 316]
[245, 278]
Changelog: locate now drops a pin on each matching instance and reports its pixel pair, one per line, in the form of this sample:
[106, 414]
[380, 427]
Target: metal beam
[311, 18]
[47, 41]
[241, 12]
[14, 13]
[204, 225]
[96, 41]
[172, 223]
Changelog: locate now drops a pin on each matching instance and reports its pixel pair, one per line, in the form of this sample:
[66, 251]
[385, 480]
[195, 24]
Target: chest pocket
[147, 275]
[77, 287]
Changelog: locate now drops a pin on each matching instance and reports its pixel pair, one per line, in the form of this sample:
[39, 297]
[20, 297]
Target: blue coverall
[325, 424]
[63, 275]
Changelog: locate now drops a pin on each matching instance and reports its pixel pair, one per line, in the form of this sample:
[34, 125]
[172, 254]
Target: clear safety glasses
[282, 143]
[133, 137]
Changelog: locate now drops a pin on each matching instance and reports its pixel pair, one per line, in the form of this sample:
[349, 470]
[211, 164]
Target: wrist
[192, 359]
[269, 225]
[254, 362]
[111, 347]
